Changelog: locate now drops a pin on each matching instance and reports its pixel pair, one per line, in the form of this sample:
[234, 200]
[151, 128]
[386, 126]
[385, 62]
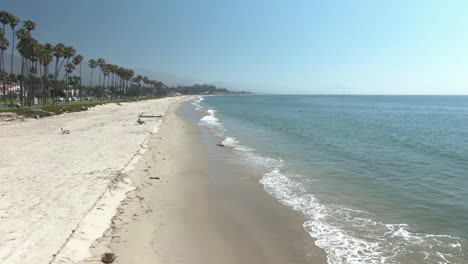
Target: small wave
[230, 141]
[197, 103]
[210, 119]
[249, 156]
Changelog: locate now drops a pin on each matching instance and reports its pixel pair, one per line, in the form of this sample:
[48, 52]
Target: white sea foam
[347, 235]
[353, 236]
[249, 156]
[210, 119]
[230, 141]
[197, 104]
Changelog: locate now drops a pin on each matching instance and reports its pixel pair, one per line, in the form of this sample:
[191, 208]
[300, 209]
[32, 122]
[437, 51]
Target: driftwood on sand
[149, 116]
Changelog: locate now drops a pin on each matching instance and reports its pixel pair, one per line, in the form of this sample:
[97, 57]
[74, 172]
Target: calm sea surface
[380, 179]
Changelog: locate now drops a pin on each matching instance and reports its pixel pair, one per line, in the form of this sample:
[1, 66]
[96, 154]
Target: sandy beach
[58, 192]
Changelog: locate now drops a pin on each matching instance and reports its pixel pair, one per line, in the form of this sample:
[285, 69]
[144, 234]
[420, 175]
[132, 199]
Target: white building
[10, 88]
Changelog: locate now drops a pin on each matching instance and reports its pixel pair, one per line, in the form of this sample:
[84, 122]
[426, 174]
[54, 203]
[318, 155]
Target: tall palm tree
[14, 21]
[101, 62]
[92, 64]
[3, 46]
[106, 72]
[27, 48]
[29, 25]
[23, 35]
[34, 53]
[145, 84]
[77, 61]
[69, 67]
[45, 59]
[68, 54]
[160, 88]
[58, 52]
[5, 18]
[128, 77]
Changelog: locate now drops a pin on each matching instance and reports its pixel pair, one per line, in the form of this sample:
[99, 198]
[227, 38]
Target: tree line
[50, 71]
[202, 89]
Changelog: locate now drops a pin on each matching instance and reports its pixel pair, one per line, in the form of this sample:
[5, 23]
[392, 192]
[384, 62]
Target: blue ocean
[379, 179]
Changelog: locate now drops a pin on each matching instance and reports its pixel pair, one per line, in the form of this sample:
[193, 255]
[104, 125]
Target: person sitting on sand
[64, 131]
[140, 122]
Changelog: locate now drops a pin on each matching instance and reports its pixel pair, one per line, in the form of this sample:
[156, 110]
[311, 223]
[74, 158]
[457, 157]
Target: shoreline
[200, 209]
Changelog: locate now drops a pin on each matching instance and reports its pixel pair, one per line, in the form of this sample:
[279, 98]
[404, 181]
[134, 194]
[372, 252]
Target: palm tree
[27, 47]
[160, 88]
[145, 84]
[92, 64]
[58, 52]
[29, 25]
[31, 46]
[69, 67]
[128, 77]
[3, 46]
[101, 62]
[77, 61]
[45, 59]
[23, 35]
[68, 53]
[73, 81]
[14, 21]
[105, 72]
[4, 19]
[35, 49]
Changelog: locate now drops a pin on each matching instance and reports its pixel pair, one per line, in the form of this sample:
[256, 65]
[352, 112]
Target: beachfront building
[172, 93]
[10, 88]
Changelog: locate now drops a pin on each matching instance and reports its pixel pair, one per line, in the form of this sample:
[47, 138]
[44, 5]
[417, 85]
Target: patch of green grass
[60, 108]
[50, 110]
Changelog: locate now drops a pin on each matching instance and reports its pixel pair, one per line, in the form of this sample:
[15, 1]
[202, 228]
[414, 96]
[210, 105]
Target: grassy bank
[50, 110]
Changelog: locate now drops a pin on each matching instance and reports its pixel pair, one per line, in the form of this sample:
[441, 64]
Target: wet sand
[200, 209]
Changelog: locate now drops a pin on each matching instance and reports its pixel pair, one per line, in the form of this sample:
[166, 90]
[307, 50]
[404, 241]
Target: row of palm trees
[38, 85]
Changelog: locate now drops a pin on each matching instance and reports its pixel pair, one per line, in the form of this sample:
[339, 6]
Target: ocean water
[379, 179]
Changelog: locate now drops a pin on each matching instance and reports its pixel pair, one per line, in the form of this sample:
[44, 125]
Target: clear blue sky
[345, 47]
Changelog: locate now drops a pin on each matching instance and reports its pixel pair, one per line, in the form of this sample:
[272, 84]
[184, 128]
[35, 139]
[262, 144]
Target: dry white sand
[58, 192]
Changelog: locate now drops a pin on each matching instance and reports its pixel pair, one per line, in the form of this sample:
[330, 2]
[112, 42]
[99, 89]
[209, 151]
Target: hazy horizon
[300, 47]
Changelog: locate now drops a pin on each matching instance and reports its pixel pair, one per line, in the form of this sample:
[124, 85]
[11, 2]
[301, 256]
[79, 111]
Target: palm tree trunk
[22, 81]
[91, 78]
[46, 74]
[55, 80]
[3, 69]
[2, 66]
[79, 89]
[12, 52]
[21, 90]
